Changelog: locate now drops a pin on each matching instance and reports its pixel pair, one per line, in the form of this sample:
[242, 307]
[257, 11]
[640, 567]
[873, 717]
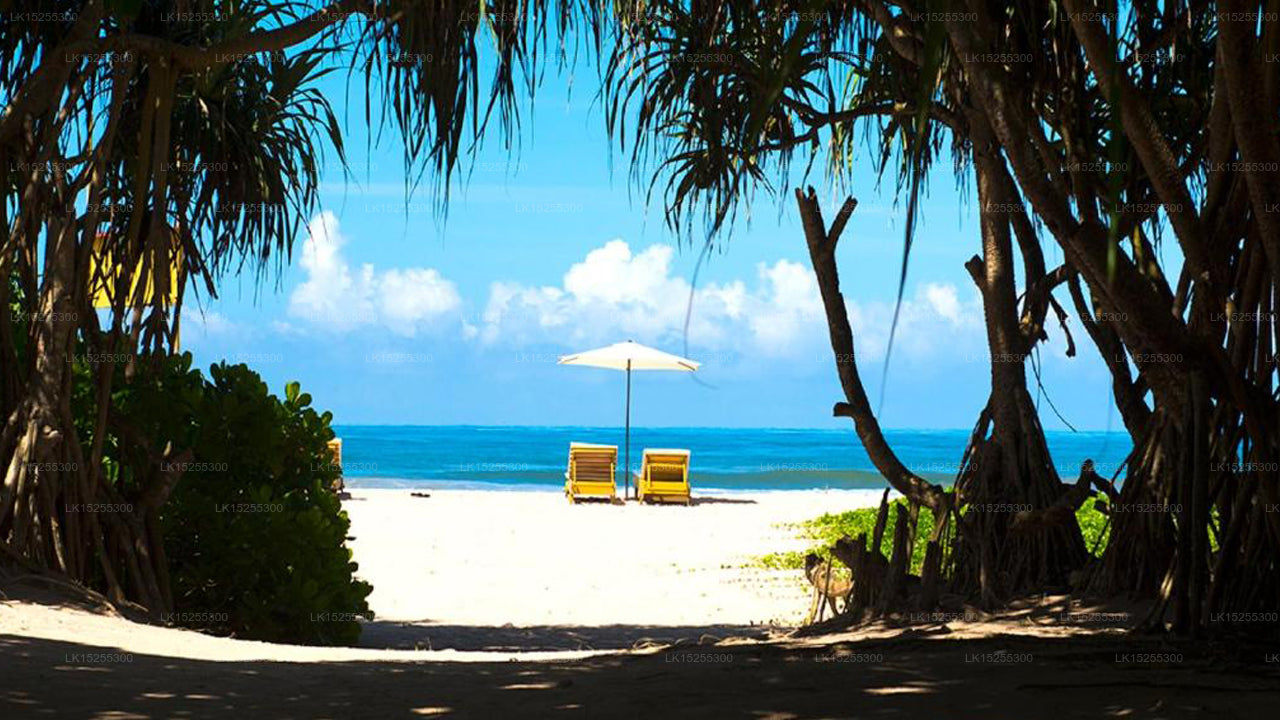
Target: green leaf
[252, 564]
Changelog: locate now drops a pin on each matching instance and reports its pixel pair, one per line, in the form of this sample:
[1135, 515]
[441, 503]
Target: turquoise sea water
[534, 458]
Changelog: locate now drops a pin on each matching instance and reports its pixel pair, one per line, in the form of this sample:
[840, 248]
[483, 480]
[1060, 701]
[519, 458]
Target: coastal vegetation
[253, 535]
[147, 154]
[826, 530]
[1108, 131]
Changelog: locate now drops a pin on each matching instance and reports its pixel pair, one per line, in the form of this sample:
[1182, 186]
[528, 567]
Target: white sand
[472, 562]
[497, 574]
[113, 639]
[531, 558]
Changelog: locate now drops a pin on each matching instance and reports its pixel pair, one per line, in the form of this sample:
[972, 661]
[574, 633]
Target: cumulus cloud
[616, 293]
[935, 322]
[205, 324]
[943, 300]
[340, 297]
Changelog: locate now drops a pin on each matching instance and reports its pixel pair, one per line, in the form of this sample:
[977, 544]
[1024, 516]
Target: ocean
[533, 458]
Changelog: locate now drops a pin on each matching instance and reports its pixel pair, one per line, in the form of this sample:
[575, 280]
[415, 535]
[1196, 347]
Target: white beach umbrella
[629, 355]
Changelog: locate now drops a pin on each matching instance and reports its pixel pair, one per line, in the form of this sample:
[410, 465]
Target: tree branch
[259, 41]
[1144, 133]
[822, 245]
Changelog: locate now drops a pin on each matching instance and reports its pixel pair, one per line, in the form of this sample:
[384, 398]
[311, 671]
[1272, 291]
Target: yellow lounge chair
[592, 469]
[335, 458]
[664, 475]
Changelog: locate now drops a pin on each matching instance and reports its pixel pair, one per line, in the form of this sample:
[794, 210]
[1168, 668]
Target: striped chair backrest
[667, 468]
[593, 464]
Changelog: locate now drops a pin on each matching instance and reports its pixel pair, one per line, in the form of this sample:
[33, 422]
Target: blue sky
[390, 315]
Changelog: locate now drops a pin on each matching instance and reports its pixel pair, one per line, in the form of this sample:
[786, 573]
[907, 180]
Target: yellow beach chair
[592, 469]
[335, 458]
[664, 475]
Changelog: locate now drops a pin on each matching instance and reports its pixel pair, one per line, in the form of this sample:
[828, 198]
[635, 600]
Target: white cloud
[933, 322]
[616, 293]
[336, 296]
[788, 309]
[943, 300]
[206, 324]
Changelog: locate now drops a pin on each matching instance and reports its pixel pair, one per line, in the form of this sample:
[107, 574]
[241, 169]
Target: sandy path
[59, 659]
[463, 560]
[110, 669]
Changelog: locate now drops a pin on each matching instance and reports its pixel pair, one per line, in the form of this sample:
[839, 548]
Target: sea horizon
[533, 457]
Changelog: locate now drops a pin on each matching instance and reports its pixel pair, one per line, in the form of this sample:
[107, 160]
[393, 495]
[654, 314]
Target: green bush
[255, 540]
[1094, 525]
[826, 529]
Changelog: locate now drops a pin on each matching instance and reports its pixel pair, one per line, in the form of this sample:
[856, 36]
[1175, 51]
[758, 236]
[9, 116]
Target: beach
[511, 603]
[484, 575]
[444, 565]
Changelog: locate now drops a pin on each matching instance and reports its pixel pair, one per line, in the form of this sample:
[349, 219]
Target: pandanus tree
[727, 96]
[135, 134]
[137, 137]
[1103, 129]
[1133, 123]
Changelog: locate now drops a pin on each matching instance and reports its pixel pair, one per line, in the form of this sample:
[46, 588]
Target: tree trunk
[1010, 474]
[822, 247]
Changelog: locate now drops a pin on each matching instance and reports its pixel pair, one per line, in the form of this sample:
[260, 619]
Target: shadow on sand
[425, 635]
[992, 678]
[915, 671]
[694, 501]
[721, 500]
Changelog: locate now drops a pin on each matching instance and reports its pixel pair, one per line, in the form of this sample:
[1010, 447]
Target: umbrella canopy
[628, 356]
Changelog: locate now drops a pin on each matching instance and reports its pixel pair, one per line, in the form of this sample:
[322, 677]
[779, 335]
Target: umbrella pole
[626, 492]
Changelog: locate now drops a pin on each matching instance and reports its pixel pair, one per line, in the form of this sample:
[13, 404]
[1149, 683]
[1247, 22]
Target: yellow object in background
[335, 452]
[335, 457]
[664, 475]
[592, 471]
[103, 274]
